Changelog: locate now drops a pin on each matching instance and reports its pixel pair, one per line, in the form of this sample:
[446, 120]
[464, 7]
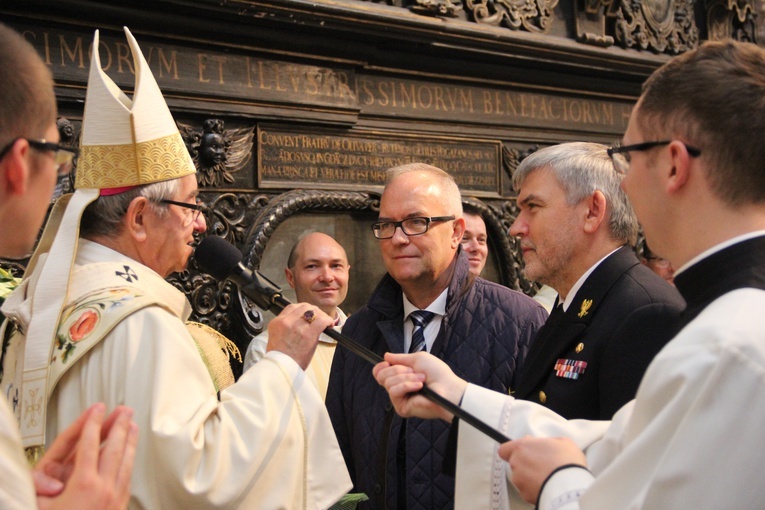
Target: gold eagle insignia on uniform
[586, 304]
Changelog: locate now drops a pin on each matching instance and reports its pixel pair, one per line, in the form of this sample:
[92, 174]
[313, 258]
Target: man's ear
[290, 277]
[681, 167]
[15, 170]
[596, 211]
[457, 232]
[136, 218]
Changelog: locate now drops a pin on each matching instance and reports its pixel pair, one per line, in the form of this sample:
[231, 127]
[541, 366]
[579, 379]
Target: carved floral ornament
[733, 19]
[662, 26]
[530, 15]
[659, 25]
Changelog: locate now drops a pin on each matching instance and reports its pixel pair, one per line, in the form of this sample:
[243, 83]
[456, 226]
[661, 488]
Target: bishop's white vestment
[267, 443]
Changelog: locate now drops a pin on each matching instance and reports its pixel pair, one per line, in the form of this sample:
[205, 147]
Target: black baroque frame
[294, 202]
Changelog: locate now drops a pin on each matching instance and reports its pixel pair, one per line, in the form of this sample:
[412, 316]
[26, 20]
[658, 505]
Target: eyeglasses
[63, 156]
[620, 155]
[190, 217]
[660, 262]
[411, 226]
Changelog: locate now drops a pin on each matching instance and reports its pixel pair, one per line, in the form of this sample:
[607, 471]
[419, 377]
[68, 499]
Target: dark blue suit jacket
[483, 338]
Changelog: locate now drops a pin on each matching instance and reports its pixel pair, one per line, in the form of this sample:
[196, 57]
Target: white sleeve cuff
[564, 487]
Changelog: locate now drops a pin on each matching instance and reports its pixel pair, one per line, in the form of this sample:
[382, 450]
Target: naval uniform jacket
[587, 362]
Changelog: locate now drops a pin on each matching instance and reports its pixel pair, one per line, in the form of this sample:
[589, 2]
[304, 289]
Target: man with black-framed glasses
[620, 154]
[27, 185]
[427, 301]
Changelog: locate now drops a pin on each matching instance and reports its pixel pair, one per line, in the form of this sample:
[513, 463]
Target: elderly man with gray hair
[576, 230]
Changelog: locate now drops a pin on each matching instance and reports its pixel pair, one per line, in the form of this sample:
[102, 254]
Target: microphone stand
[270, 298]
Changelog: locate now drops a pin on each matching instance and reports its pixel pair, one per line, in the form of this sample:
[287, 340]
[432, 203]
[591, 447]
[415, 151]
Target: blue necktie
[420, 319]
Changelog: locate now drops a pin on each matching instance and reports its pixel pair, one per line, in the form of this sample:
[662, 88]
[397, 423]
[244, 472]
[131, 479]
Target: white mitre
[128, 143]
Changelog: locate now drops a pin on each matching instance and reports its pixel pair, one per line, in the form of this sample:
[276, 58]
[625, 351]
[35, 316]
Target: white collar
[438, 306]
[582, 279]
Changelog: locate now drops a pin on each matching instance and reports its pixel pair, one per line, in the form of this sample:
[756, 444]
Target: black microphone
[222, 261]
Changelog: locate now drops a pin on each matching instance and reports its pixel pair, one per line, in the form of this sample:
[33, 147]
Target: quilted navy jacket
[484, 338]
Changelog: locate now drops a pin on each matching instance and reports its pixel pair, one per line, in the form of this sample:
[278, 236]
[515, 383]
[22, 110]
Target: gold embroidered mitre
[128, 142]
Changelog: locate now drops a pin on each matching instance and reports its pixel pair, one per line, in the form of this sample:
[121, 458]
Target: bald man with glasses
[428, 301]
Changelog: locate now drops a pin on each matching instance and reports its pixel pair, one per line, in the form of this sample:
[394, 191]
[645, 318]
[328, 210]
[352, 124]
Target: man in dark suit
[576, 230]
[427, 300]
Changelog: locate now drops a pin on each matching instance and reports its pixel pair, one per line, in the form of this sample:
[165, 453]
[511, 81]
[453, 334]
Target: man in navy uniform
[576, 231]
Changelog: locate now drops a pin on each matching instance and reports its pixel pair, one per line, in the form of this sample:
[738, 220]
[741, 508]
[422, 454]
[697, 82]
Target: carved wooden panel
[529, 15]
[734, 19]
[661, 26]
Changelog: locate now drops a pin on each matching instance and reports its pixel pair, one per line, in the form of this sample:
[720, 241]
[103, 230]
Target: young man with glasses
[29, 166]
[427, 300]
[63, 157]
[28, 189]
[620, 154]
[692, 436]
